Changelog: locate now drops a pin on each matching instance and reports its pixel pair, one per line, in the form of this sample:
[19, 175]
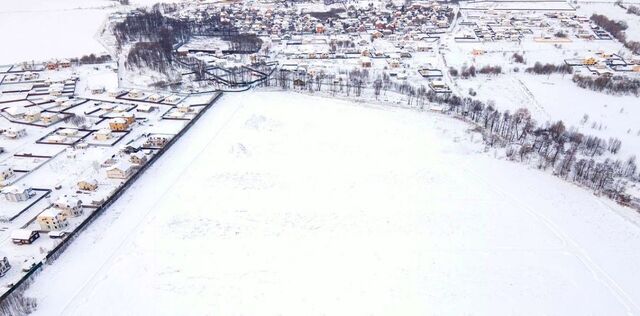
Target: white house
[29, 75]
[103, 134]
[4, 265]
[116, 92]
[97, 89]
[6, 172]
[56, 89]
[135, 93]
[18, 193]
[155, 98]
[24, 236]
[57, 139]
[184, 107]
[145, 108]
[67, 132]
[70, 206]
[121, 170]
[172, 99]
[48, 117]
[32, 114]
[13, 132]
[138, 158]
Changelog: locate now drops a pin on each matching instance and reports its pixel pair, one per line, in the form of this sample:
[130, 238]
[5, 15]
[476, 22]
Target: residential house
[32, 114]
[52, 65]
[57, 139]
[70, 206]
[156, 141]
[184, 107]
[67, 132]
[12, 132]
[118, 124]
[18, 193]
[24, 236]
[29, 75]
[121, 170]
[172, 99]
[103, 135]
[138, 158]
[116, 92]
[590, 61]
[4, 265]
[48, 117]
[145, 108]
[120, 108]
[56, 89]
[52, 219]
[97, 89]
[155, 98]
[88, 185]
[365, 62]
[6, 172]
[129, 117]
[135, 94]
[16, 112]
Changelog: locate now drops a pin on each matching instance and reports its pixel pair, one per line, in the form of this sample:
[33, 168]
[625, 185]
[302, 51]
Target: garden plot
[11, 209]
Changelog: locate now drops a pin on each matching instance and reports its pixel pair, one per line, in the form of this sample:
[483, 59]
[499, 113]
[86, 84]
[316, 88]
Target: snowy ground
[43, 29]
[284, 204]
[39, 30]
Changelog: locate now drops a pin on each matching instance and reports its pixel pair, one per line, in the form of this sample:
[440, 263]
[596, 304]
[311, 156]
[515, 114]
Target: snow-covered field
[39, 30]
[285, 204]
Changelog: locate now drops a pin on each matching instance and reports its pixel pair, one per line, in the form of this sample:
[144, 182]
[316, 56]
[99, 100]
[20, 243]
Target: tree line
[617, 30]
[569, 154]
[608, 84]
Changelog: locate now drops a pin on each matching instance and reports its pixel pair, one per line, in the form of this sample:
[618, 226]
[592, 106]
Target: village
[70, 143]
[417, 43]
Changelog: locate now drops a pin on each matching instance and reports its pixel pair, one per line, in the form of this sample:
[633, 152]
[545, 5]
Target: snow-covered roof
[118, 120]
[16, 189]
[15, 110]
[104, 131]
[21, 234]
[121, 165]
[51, 212]
[66, 200]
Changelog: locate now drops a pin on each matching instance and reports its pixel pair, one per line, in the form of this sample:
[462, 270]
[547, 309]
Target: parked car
[57, 234]
[29, 264]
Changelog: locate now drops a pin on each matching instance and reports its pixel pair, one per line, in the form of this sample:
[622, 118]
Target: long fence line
[12, 296]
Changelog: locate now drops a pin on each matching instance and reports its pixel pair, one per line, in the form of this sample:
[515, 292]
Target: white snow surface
[39, 30]
[283, 204]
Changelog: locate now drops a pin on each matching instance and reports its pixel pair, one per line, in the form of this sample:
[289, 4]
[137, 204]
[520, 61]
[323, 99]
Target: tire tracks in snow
[569, 243]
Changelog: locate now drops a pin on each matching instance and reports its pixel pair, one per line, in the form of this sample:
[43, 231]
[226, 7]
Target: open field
[283, 204]
[40, 30]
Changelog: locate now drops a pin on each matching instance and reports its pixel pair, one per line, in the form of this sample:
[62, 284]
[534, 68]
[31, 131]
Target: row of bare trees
[617, 29]
[571, 155]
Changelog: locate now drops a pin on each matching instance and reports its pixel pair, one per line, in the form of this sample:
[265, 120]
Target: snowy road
[283, 204]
